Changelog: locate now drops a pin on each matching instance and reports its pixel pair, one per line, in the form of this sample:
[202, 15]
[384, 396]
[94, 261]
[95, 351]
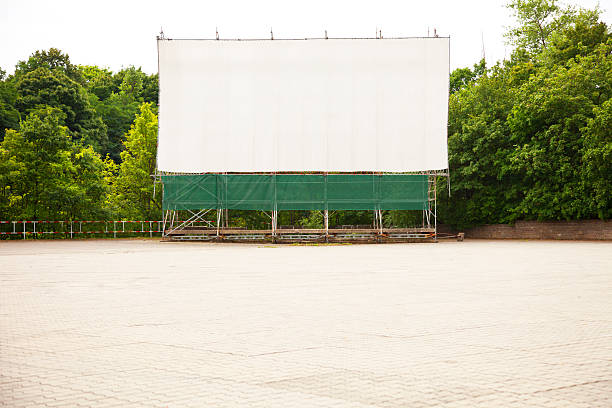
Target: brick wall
[578, 230]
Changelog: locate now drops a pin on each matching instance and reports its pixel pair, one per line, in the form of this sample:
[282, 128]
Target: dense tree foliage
[45, 87]
[53, 60]
[132, 187]
[529, 137]
[463, 77]
[9, 115]
[44, 175]
[57, 122]
[116, 98]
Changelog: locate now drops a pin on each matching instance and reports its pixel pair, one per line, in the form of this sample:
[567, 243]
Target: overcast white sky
[117, 34]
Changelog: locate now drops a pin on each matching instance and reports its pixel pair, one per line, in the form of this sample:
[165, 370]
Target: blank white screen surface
[337, 105]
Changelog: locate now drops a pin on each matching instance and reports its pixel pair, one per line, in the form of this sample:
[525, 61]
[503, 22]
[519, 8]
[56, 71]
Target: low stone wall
[569, 230]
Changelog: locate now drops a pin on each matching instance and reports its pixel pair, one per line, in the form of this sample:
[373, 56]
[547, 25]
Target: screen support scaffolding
[197, 227]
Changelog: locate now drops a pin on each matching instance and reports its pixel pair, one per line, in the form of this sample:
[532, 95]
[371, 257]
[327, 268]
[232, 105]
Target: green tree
[43, 86]
[10, 171]
[462, 77]
[142, 87]
[537, 20]
[117, 112]
[132, 82]
[9, 116]
[98, 81]
[45, 175]
[526, 138]
[546, 122]
[116, 98]
[150, 89]
[581, 37]
[132, 194]
[53, 60]
[597, 156]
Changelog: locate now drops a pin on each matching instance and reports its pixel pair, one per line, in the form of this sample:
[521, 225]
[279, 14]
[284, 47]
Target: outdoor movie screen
[317, 105]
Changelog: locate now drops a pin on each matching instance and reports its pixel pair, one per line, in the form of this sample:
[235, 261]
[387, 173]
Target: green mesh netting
[296, 192]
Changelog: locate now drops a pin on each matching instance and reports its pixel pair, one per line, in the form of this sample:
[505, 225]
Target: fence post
[24, 230]
[150, 229]
[70, 229]
[114, 229]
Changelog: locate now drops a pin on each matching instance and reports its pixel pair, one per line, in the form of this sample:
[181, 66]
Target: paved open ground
[148, 324]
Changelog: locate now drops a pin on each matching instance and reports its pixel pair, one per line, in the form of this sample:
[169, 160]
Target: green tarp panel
[296, 192]
[352, 191]
[191, 192]
[403, 192]
[300, 192]
[246, 191]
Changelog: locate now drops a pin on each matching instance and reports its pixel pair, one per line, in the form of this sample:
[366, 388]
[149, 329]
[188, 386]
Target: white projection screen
[336, 105]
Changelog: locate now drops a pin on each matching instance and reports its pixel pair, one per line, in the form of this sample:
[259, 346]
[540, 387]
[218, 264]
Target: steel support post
[172, 219]
[326, 219]
[435, 209]
[164, 223]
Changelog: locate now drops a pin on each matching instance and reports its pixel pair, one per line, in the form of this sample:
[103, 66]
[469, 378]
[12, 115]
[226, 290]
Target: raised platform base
[303, 235]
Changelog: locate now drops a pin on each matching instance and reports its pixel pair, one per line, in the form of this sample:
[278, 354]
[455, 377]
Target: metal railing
[84, 228]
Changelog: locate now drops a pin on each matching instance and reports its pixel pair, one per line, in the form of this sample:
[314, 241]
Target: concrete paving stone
[140, 323]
